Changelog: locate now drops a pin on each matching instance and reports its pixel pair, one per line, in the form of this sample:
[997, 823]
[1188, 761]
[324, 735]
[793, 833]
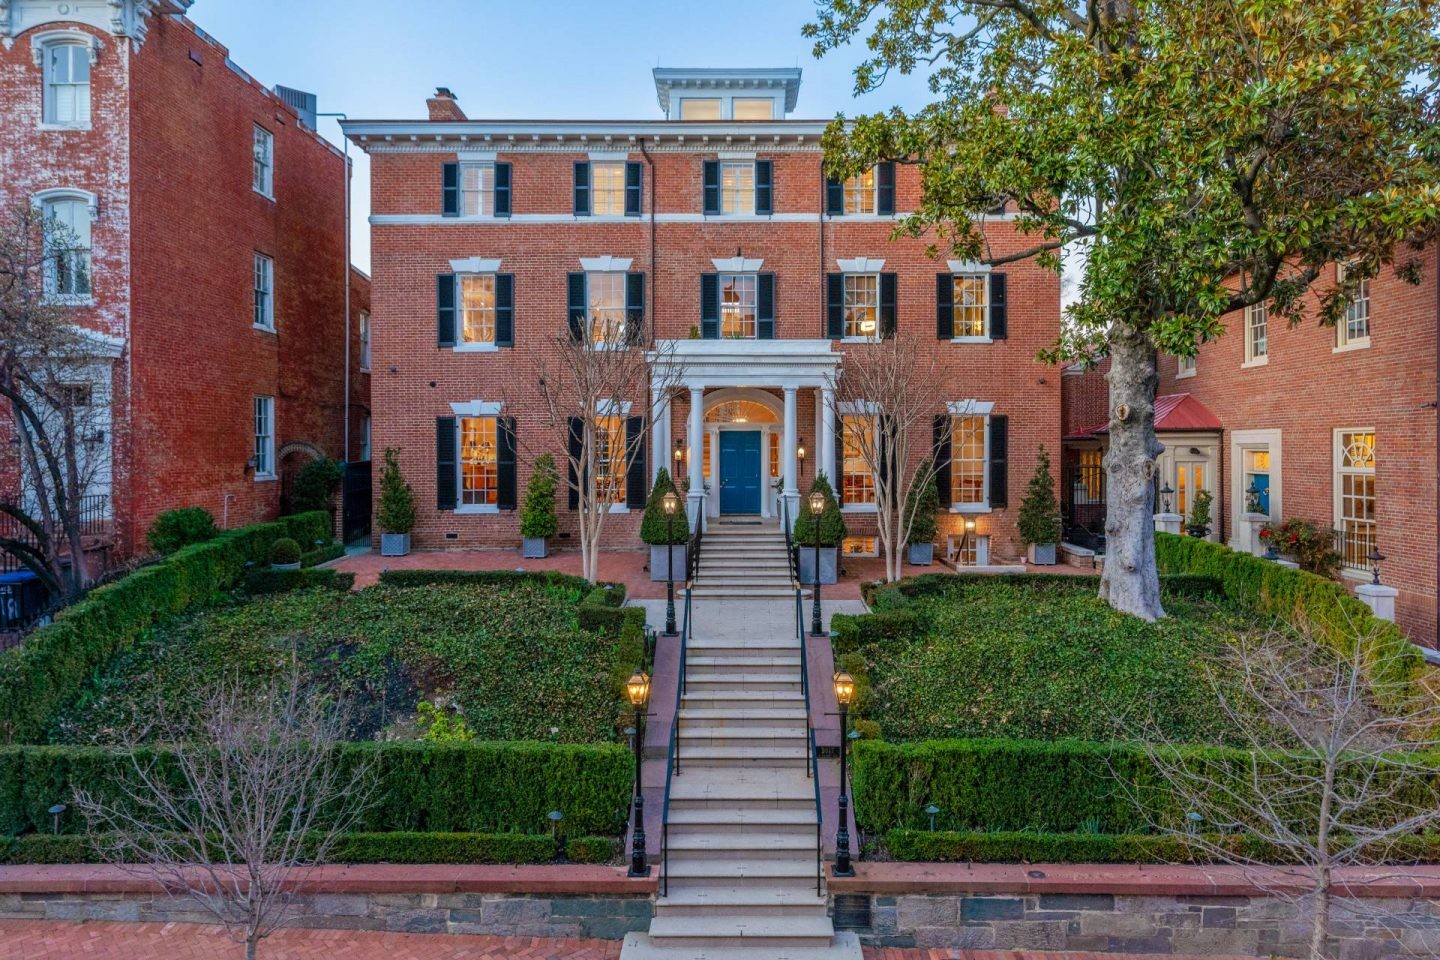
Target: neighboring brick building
[714, 230]
[212, 218]
[1333, 425]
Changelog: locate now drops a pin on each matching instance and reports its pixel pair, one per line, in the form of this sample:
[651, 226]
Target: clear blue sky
[379, 59]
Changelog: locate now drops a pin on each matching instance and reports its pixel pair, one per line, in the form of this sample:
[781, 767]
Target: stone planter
[394, 544]
[533, 548]
[658, 568]
[1042, 554]
[285, 566]
[920, 554]
[829, 564]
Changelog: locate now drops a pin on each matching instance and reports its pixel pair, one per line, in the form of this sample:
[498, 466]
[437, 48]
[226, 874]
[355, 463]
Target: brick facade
[176, 224]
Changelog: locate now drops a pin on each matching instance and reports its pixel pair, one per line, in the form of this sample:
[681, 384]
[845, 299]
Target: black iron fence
[1082, 505]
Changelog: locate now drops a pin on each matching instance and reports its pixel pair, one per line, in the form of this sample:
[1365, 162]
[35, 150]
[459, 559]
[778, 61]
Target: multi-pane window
[1090, 481]
[859, 547]
[753, 108]
[607, 188]
[972, 304]
[264, 436]
[67, 85]
[477, 308]
[857, 482]
[737, 187]
[606, 292]
[1257, 332]
[364, 341]
[774, 455]
[1184, 367]
[479, 462]
[264, 291]
[860, 192]
[1257, 481]
[1355, 494]
[365, 438]
[737, 305]
[477, 189]
[610, 460]
[699, 108]
[67, 234]
[967, 460]
[262, 170]
[1354, 329]
[862, 304]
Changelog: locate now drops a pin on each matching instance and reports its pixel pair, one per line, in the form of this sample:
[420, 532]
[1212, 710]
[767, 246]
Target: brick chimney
[444, 106]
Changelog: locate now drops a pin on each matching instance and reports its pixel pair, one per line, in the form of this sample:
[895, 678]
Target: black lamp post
[671, 503]
[817, 508]
[1375, 557]
[844, 696]
[637, 688]
[1165, 493]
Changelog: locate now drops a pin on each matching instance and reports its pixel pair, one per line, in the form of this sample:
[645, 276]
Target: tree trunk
[1131, 583]
[251, 942]
[1322, 917]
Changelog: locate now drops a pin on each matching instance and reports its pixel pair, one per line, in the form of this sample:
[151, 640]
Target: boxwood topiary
[831, 523]
[284, 550]
[657, 529]
[537, 516]
[923, 505]
[181, 527]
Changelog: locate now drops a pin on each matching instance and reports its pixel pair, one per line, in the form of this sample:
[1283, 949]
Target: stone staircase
[741, 878]
[743, 560]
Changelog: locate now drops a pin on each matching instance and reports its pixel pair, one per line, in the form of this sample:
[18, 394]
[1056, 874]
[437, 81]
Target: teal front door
[739, 471]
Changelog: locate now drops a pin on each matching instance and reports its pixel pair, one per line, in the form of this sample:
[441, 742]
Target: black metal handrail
[692, 549]
[672, 755]
[790, 556]
[812, 764]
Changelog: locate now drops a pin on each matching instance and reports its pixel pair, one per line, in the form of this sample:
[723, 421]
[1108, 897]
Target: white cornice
[699, 79]
[581, 136]
[119, 18]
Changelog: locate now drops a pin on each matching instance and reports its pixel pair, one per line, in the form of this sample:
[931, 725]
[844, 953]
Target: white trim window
[737, 187]
[969, 461]
[1353, 330]
[1257, 334]
[67, 235]
[264, 290]
[752, 108]
[1185, 367]
[857, 482]
[365, 437]
[737, 305]
[67, 84]
[610, 463]
[477, 308]
[1355, 495]
[862, 306]
[477, 189]
[606, 292]
[264, 424]
[861, 192]
[365, 343]
[262, 168]
[479, 461]
[972, 305]
[700, 108]
[607, 188]
[860, 546]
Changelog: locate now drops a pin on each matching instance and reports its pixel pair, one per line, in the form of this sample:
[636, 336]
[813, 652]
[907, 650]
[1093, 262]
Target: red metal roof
[1174, 413]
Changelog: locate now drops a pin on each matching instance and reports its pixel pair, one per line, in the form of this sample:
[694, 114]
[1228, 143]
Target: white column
[787, 451]
[696, 439]
[827, 437]
[660, 434]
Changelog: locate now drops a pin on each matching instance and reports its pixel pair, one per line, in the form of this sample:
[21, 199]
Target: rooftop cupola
[720, 94]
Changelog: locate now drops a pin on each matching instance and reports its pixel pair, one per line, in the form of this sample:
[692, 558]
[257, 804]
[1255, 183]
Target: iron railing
[672, 754]
[790, 555]
[812, 761]
[692, 549]
[1082, 505]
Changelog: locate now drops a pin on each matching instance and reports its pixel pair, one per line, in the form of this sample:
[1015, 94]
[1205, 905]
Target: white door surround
[1242, 529]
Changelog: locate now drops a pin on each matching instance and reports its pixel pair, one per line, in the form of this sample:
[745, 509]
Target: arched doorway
[741, 450]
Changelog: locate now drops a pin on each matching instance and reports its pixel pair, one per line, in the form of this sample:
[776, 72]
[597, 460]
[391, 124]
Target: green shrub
[656, 528]
[1039, 520]
[316, 483]
[1312, 545]
[537, 515]
[1199, 522]
[331, 551]
[426, 578]
[284, 550]
[396, 513]
[181, 527]
[259, 583]
[831, 523]
[923, 506]
[590, 849]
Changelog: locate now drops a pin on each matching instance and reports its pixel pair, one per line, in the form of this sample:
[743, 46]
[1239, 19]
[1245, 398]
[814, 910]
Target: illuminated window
[610, 460]
[737, 187]
[737, 305]
[699, 108]
[607, 188]
[1189, 481]
[1354, 329]
[857, 482]
[1090, 485]
[477, 189]
[479, 468]
[972, 305]
[67, 237]
[740, 411]
[607, 306]
[705, 456]
[1355, 494]
[753, 108]
[1257, 327]
[860, 192]
[862, 304]
[967, 460]
[859, 547]
[67, 85]
[1257, 481]
[262, 167]
[774, 456]
[477, 308]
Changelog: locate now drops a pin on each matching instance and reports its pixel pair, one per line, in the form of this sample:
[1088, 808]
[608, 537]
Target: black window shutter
[506, 485]
[838, 480]
[712, 187]
[834, 197]
[445, 463]
[765, 306]
[835, 305]
[575, 449]
[575, 284]
[502, 189]
[885, 189]
[887, 305]
[504, 310]
[941, 453]
[582, 188]
[764, 188]
[635, 307]
[450, 189]
[632, 188]
[710, 306]
[998, 311]
[445, 309]
[999, 460]
[944, 306]
[635, 466]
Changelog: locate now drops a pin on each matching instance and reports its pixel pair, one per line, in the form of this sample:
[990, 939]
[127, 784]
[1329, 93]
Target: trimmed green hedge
[47, 671]
[262, 582]
[331, 551]
[421, 578]
[1300, 598]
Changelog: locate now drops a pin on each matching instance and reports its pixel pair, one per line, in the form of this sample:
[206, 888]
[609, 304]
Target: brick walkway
[48, 940]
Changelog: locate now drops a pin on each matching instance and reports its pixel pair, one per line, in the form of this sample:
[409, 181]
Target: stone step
[750, 931]
[740, 873]
[741, 846]
[701, 735]
[845, 945]
[743, 718]
[746, 581]
[707, 697]
[685, 899]
[787, 757]
[742, 661]
[701, 592]
[788, 646]
[704, 680]
[743, 819]
[743, 789]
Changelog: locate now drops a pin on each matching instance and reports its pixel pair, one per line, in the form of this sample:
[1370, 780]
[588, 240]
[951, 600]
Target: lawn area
[511, 658]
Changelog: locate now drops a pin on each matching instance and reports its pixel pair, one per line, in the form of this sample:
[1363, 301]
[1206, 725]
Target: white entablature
[119, 18]
[747, 363]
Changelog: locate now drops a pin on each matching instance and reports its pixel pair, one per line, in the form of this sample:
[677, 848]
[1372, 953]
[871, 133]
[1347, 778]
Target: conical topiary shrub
[655, 529]
[831, 523]
[537, 517]
[1039, 521]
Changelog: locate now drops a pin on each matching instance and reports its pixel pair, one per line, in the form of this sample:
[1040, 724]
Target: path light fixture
[817, 509]
[55, 812]
[930, 812]
[555, 816]
[844, 696]
[1165, 493]
[1376, 558]
[671, 504]
[637, 688]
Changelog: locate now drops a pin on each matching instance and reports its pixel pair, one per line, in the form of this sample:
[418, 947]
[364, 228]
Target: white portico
[731, 387]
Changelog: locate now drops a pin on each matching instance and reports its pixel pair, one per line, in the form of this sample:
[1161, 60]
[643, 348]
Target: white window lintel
[475, 156]
[861, 264]
[52, 38]
[475, 265]
[606, 264]
[970, 408]
[610, 408]
[42, 197]
[737, 264]
[476, 408]
[966, 266]
[608, 156]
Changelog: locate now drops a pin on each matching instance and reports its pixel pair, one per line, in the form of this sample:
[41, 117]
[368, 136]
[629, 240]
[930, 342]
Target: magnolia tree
[1202, 155]
[896, 385]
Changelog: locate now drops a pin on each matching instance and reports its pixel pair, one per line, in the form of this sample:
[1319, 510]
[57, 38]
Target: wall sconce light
[800, 452]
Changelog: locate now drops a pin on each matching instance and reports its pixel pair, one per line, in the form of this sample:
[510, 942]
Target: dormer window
[754, 108]
[700, 108]
[67, 83]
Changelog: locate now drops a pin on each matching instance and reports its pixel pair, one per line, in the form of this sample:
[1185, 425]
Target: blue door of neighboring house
[739, 471]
